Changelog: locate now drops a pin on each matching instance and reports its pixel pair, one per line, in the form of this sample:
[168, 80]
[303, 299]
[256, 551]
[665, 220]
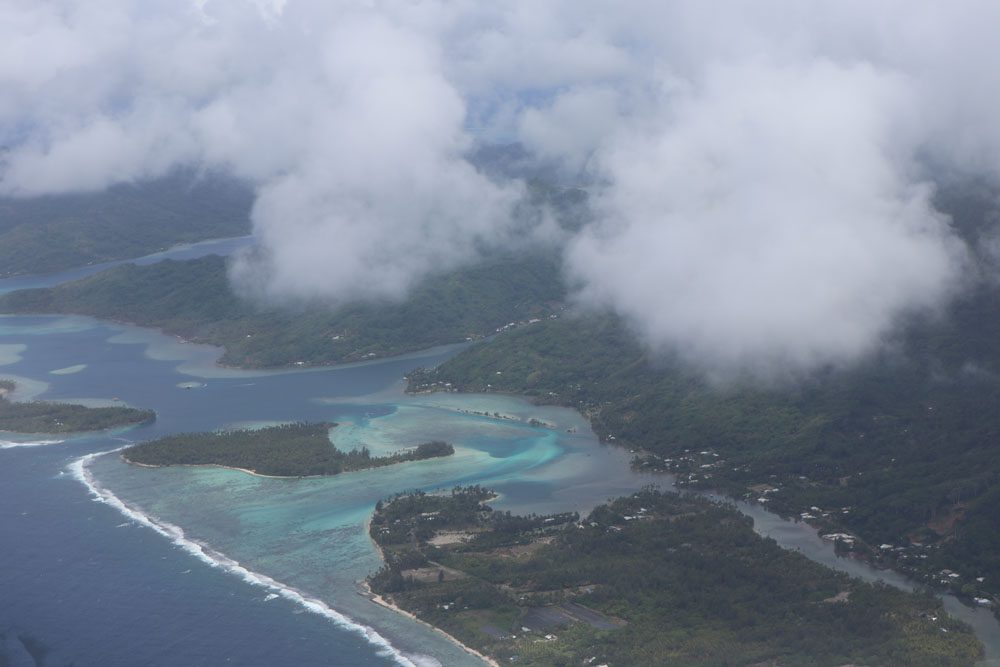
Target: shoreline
[235, 366]
[366, 591]
[260, 474]
[79, 469]
[864, 558]
[219, 465]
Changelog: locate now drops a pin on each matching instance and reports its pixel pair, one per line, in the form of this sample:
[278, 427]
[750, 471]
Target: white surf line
[10, 444]
[79, 469]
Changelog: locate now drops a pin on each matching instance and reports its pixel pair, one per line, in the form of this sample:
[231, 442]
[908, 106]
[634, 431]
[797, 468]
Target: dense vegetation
[650, 579]
[194, 299]
[53, 233]
[288, 450]
[902, 450]
[49, 417]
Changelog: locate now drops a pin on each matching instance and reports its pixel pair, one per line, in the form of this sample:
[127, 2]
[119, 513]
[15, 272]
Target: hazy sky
[759, 168]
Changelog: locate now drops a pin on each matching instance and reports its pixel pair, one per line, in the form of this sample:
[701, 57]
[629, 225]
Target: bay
[85, 584]
[97, 587]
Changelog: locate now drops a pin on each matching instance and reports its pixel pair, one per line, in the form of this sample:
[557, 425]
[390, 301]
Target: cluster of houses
[912, 559]
[689, 467]
[522, 323]
[696, 467]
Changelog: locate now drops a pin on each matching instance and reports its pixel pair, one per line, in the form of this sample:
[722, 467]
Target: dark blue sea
[79, 585]
[171, 571]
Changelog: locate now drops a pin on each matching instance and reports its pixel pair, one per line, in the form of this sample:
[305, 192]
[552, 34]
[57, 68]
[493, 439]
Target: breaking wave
[79, 469]
[10, 444]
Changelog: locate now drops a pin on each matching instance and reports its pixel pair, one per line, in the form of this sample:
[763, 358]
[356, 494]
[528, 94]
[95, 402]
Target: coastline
[79, 469]
[366, 591]
[219, 465]
[260, 474]
[9, 389]
[236, 366]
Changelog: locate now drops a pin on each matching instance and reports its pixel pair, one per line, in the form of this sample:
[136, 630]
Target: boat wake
[10, 444]
[79, 468]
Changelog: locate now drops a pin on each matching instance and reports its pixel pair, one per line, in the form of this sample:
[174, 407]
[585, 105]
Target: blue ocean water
[92, 587]
[83, 583]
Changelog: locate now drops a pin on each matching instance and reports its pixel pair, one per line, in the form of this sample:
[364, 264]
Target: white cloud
[764, 223]
[340, 114]
[572, 126]
[759, 168]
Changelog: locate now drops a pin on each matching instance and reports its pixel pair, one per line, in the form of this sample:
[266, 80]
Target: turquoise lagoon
[205, 566]
[300, 543]
[310, 534]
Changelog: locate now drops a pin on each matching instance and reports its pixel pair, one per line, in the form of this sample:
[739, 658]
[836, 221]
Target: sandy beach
[217, 465]
[366, 590]
[379, 600]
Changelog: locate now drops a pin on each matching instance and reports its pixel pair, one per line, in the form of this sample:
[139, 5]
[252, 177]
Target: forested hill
[193, 299]
[54, 233]
[903, 450]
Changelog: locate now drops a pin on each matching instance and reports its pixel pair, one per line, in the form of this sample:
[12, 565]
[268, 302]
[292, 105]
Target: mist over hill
[50, 233]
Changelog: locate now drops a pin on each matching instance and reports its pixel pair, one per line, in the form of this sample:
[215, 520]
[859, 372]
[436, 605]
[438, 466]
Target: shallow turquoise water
[96, 589]
[310, 534]
[304, 539]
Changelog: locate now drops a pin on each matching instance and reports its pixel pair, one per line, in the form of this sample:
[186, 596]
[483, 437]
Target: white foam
[425, 661]
[79, 469]
[10, 444]
[10, 353]
[69, 370]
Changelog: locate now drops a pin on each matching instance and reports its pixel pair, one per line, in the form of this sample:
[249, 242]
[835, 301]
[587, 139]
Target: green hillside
[194, 299]
[54, 233]
[903, 450]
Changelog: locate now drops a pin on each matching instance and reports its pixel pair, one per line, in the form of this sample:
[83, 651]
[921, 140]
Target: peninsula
[652, 578]
[287, 450]
[194, 300]
[51, 417]
[895, 459]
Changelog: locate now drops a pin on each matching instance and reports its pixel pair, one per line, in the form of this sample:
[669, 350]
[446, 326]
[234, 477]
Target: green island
[654, 578]
[895, 459]
[194, 300]
[286, 450]
[52, 417]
